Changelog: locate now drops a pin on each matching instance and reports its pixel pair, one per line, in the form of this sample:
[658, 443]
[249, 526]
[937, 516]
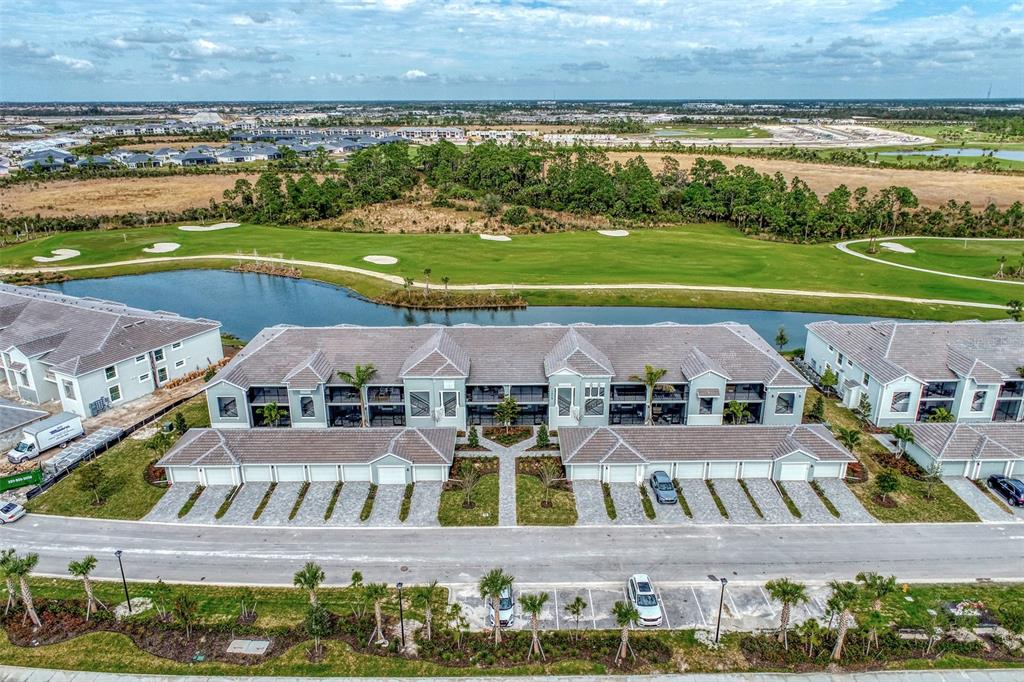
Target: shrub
[515, 216]
[543, 439]
[473, 438]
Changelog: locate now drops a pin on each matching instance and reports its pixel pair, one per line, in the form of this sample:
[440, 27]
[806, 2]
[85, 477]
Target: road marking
[593, 614]
[664, 611]
[699, 609]
[732, 604]
[767, 601]
[557, 626]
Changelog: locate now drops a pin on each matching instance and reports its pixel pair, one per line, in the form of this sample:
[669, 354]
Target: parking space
[808, 502]
[280, 505]
[769, 501]
[629, 509]
[702, 506]
[314, 504]
[426, 497]
[350, 504]
[206, 506]
[987, 510]
[386, 505]
[730, 492]
[849, 507]
[670, 513]
[167, 507]
[242, 507]
[590, 509]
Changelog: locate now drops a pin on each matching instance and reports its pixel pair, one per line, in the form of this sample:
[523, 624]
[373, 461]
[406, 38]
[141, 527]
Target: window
[161, 374]
[450, 403]
[23, 378]
[784, 403]
[307, 407]
[179, 363]
[111, 373]
[901, 401]
[140, 359]
[978, 402]
[564, 399]
[227, 407]
[831, 348]
[841, 358]
[143, 378]
[867, 378]
[419, 403]
[158, 354]
[69, 389]
[176, 345]
[593, 403]
[115, 393]
[707, 405]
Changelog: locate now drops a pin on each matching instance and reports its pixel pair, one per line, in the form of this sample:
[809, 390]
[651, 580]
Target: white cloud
[415, 75]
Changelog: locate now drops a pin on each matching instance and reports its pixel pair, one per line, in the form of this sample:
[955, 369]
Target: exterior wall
[223, 389]
[770, 400]
[74, 405]
[965, 391]
[883, 414]
[795, 458]
[197, 352]
[577, 383]
[693, 416]
[391, 461]
[318, 420]
[434, 387]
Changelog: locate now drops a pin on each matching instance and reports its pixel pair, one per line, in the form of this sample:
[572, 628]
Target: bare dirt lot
[932, 188]
[115, 195]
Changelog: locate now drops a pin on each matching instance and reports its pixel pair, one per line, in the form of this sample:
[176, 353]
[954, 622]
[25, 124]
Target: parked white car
[640, 591]
[506, 609]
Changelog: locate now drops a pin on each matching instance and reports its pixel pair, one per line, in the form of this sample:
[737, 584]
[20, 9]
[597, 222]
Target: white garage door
[618, 473]
[756, 470]
[827, 470]
[722, 470]
[184, 474]
[429, 473]
[793, 472]
[323, 472]
[587, 472]
[664, 466]
[988, 468]
[291, 472]
[390, 475]
[257, 473]
[690, 470]
[359, 472]
[220, 476]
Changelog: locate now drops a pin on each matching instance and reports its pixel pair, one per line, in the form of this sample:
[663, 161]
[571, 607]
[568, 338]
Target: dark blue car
[1010, 489]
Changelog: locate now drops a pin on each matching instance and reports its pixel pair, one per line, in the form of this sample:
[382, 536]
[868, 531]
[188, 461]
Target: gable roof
[577, 354]
[440, 356]
[309, 374]
[964, 440]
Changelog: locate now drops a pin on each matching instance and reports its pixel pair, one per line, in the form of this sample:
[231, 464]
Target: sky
[509, 49]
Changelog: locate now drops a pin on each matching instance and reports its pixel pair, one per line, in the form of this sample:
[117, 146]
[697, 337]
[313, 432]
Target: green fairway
[978, 258]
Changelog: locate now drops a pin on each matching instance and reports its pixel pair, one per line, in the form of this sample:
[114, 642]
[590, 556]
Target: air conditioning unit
[574, 412]
[438, 414]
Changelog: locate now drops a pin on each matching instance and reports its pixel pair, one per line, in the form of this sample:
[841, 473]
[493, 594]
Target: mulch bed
[483, 465]
[887, 502]
[905, 465]
[507, 437]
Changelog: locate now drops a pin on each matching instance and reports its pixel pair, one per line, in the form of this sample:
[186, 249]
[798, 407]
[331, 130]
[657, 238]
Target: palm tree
[359, 380]
[456, 621]
[271, 413]
[844, 594]
[849, 437]
[878, 587]
[789, 594]
[941, 416]
[736, 411]
[873, 623]
[7, 559]
[626, 617]
[82, 569]
[425, 596]
[445, 280]
[811, 633]
[426, 282]
[1002, 264]
[532, 605]
[491, 586]
[575, 608]
[651, 379]
[904, 437]
[21, 568]
[467, 481]
[549, 477]
[377, 593]
[309, 578]
[186, 608]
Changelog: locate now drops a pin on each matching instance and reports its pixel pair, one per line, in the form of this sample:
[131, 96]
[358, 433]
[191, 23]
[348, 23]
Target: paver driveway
[386, 505]
[808, 502]
[426, 497]
[350, 504]
[590, 509]
[987, 510]
[629, 510]
[849, 507]
[206, 506]
[280, 505]
[735, 500]
[772, 507]
[245, 503]
[702, 506]
[167, 507]
[314, 504]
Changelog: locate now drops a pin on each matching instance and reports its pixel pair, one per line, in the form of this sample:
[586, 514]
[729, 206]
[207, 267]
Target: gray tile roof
[14, 416]
[930, 351]
[78, 335]
[516, 354]
[627, 444]
[212, 447]
[314, 371]
[575, 353]
[970, 441]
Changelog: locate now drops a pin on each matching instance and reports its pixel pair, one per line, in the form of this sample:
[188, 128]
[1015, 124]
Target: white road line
[732, 605]
[664, 611]
[699, 609]
[593, 615]
[557, 626]
[767, 601]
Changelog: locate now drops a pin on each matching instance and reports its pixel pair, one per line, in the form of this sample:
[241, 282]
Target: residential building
[576, 375]
[975, 451]
[91, 354]
[910, 370]
[13, 418]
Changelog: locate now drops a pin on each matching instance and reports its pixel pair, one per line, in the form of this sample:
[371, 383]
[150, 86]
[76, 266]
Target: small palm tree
[21, 568]
[575, 608]
[626, 617]
[532, 605]
[904, 437]
[811, 633]
[359, 380]
[549, 478]
[873, 622]
[941, 416]
[878, 587]
[377, 593]
[271, 413]
[309, 578]
[426, 282]
[849, 437]
[444, 281]
[425, 597]
[186, 611]
[82, 569]
[7, 559]
[844, 594]
[789, 594]
[737, 412]
[457, 622]
[651, 379]
[491, 586]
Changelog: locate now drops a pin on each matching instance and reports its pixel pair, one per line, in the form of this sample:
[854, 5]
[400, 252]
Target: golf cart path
[395, 279]
[845, 248]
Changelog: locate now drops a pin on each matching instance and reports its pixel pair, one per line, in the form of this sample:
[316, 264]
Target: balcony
[679, 392]
[529, 394]
[939, 389]
[1012, 389]
[389, 395]
[261, 395]
[626, 414]
[341, 394]
[629, 393]
[485, 394]
[744, 393]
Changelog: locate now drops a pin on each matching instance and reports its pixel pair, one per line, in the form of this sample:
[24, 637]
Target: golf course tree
[491, 585]
[20, 568]
[626, 617]
[359, 379]
[651, 379]
[533, 605]
[424, 597]
[309, 578]
[1015, 309]
[83, 569]
[736, 412]
[840, 607]
[426, 282]
[576, 608]
[904, 437]
[376, 593]
[789, 594]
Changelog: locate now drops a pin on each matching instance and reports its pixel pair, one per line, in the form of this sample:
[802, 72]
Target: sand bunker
[495, 237]
[58, 254]
[207, 228]
[894, 246]
[381, 260]
[614, 233]
[162, 247]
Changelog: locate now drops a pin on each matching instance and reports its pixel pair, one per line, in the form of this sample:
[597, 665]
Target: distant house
[193, 157]
[140, 161]
[95, 162]
[47, 159]
[12, 418]
[163, 154]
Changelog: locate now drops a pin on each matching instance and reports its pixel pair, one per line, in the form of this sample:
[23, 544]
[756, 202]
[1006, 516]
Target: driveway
[987, 510]
[730, 492]
[808, 502]
[772, 507]
[426, 497]
[629, 509]
[702, 505]
[590, 509]
[280, 505]
[209, 502]
[314, 504]
[849, 507]
[350, 504]
[242, 507]
[386, 505]
[167, 507]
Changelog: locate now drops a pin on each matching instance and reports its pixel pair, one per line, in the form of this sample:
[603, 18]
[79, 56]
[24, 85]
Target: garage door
[690, 470]
[988, 468]
[291, 473]
[257, 473]
[756, 470]
[827, 470]
[356, 473]
[184, 475]
[390, 475]
[587, 472]
[664, 466]
[220, 476]
[428, 473]
[323, 472]
[1017, 470]
[722, 470]
[618, 473]
[793, 472]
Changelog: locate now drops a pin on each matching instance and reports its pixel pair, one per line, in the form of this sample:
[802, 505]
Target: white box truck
[49, 433]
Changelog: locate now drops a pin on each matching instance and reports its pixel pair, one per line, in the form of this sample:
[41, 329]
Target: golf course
[973, 257]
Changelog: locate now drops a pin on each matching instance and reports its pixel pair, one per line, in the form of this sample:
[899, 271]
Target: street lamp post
[401, 614]
[721, 601]
[124, 582]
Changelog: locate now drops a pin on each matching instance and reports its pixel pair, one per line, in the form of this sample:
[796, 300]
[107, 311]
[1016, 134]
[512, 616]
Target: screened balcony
[744, 393]
[341, 394]
[529, 394]
[392, 395]
[485, 394]
[629, 393]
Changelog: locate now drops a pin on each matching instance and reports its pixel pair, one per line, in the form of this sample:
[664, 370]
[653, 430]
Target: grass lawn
[129, 496]
[975, 258]
[485, 513]
[702, 255]
[529, 493]
[913, 505]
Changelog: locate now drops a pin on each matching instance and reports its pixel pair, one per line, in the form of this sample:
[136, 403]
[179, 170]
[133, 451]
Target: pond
[1008, 154]
[246, 303]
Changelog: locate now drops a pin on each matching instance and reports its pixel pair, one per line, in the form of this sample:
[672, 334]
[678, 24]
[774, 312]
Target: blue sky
[502, 49]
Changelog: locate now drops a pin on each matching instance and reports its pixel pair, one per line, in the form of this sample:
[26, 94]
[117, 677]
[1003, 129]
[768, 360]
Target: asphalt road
[569, 555]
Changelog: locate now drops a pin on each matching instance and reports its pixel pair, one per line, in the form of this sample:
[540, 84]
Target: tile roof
[13, 416]
[606, 444]
[964, 440]
[989, 352]
[315, 370]
[514, 354]
[213, 447]
[78, 335]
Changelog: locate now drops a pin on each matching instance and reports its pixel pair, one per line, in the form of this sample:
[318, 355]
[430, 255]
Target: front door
[564, 399]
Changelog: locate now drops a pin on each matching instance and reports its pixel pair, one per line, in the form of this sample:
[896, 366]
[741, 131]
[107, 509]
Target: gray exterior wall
[319, 418]
[222, 389]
